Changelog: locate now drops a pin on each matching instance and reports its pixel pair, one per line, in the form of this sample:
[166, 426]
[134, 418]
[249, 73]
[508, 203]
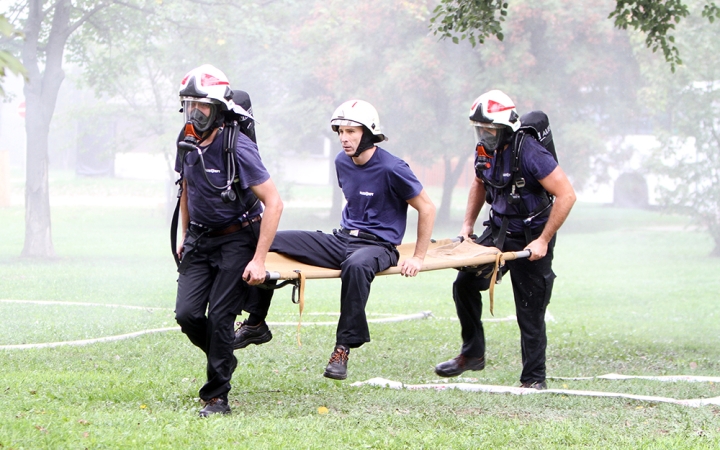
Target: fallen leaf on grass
[39, 428]
[83, 422]
[323, 410]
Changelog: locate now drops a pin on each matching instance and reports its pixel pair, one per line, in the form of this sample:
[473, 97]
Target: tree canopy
[8, 62]
[687, 158]
[476, 20]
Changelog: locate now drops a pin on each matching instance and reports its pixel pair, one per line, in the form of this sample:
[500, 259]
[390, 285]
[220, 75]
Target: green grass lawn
[636, 294]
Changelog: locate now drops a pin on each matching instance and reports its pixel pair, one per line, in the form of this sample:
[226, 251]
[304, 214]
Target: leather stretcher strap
[301, 302]
[491, 292]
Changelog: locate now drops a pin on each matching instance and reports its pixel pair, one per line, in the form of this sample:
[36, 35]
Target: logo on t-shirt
[212, 170]
[367, 194]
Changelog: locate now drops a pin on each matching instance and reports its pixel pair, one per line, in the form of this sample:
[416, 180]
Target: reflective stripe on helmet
[496, 108]
[207, 82]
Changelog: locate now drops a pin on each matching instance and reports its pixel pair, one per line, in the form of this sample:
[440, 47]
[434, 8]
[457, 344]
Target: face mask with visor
[200, 120]
[488, 139]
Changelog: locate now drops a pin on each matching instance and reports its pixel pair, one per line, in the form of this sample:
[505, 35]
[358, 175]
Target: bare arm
[557, 184]
[476, 200]
[426, 218]
[268, 194]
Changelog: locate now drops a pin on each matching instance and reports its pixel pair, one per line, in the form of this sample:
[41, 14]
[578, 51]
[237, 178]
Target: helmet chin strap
[367, 141]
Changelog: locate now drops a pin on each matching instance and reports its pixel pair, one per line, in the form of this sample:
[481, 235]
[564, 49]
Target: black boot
[539, 385]
[247, 334]
[217, 405]
[458, 365]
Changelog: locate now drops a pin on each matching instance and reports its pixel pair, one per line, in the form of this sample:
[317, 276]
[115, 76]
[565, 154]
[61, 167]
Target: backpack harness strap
[230, 145]
[175, 220]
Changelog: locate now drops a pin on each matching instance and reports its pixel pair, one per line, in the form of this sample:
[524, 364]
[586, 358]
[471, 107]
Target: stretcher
[442, 254]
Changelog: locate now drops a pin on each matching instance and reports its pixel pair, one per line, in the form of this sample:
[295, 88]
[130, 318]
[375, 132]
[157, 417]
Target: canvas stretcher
[442, 254]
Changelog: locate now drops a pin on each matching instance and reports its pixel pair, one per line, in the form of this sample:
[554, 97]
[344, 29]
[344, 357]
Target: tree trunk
[41, 91]
[714, 230]
[38, 232]
[449, 182]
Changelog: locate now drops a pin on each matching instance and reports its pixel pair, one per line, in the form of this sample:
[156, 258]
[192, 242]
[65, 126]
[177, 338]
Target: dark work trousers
[210, 281]
[532, 283]
[358, 260]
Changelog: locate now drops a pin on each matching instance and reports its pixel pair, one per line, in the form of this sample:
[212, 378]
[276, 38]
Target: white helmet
[494, 109]
[205, 84]
[494, 120]
[355, 113]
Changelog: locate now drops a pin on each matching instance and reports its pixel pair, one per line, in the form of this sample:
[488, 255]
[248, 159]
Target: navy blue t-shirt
[536, 163]
[377, 193]
[204, 202]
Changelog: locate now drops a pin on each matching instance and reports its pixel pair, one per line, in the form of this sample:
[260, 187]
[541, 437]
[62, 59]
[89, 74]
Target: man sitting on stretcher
[378, 188]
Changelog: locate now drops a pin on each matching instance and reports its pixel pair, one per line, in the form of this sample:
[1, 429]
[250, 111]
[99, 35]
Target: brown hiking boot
[337, 366]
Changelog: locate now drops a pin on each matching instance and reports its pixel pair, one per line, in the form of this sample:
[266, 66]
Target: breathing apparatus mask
[201, 115]
[489, 139]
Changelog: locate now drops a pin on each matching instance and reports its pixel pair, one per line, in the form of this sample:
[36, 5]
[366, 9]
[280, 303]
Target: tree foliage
[8, 62]
[473, 20]
[477, 20]
[688, 159]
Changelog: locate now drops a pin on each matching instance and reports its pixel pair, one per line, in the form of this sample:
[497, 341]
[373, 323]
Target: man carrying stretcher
[378, 188]
[530, 197]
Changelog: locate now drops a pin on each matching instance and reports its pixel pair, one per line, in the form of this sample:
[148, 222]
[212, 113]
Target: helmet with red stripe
[494, 119]
[496, 109]
[206, 85]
